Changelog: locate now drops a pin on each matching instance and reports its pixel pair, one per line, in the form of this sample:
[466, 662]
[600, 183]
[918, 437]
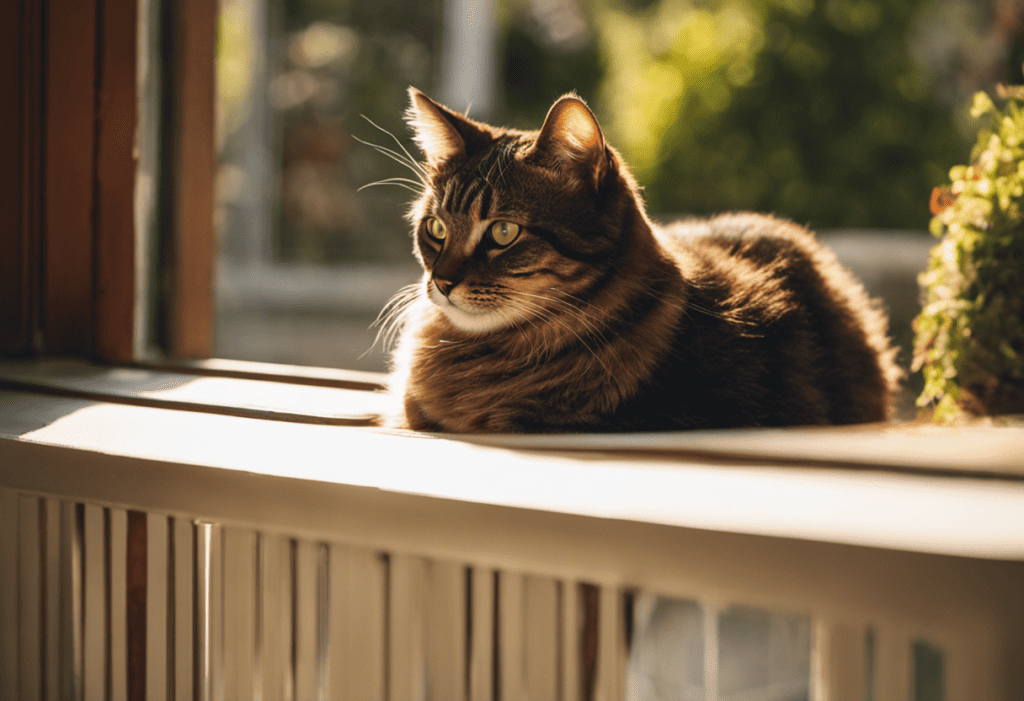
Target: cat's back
[818, 334]
[758, 238]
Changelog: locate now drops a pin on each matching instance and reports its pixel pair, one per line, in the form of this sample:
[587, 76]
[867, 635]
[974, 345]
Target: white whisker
[392, 317]
[410, 185]
[408, 155]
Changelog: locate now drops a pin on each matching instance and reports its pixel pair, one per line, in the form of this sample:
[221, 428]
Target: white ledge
[931, 513]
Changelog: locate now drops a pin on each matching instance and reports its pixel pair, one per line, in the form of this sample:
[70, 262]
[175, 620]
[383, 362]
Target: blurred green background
[835, 113]
[839, 114]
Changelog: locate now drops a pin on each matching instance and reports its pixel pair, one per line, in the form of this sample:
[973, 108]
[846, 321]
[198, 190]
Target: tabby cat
[551, 302]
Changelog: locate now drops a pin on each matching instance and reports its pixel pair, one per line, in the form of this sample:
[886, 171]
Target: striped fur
[595, 319]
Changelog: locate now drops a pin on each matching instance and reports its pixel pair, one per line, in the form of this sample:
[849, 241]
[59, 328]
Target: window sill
[155, 437]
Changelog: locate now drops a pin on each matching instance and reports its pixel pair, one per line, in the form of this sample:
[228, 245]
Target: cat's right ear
[441, 133]
[571, 140]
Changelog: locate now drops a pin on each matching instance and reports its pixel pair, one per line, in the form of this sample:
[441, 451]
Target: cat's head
[514, 225]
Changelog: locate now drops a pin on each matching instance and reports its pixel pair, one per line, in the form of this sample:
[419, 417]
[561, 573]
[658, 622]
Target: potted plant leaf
[969, 336]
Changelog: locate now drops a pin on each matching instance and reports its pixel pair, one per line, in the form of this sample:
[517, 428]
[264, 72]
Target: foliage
[812, 109]
[970, 334]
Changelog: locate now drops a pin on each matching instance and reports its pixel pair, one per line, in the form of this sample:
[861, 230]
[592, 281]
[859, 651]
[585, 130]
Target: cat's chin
[471, 322]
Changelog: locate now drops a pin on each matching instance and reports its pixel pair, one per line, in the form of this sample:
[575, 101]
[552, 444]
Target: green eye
[504, 232]
[436, 229]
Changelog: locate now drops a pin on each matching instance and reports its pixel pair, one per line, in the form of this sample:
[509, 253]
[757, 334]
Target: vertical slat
[136, 572]
[571, 637]
[239, 612]
[72, 599]
[30, 633]
[611, 655]
[52, 604]
[541, 637]
[446, 631]
[481, 655]
[118, 605]
[94, 644]
[209, 612]
[838, 658]
[356, 618]
[510, 635]
[892, 663]
[406, 673]
[710, 619]
[275, 656]
[9, 596]
[304, 607]
[183, 603]
[157, 619]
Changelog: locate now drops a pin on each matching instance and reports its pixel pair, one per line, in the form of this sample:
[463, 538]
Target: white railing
[158, 553]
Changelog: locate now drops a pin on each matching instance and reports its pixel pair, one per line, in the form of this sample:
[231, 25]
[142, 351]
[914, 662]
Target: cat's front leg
[416, 418]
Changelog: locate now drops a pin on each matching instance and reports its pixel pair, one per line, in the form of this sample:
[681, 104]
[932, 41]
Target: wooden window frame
[69, 269]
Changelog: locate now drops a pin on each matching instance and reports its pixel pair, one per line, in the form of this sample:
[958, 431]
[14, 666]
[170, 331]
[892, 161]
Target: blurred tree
[819, 110]
[549, 49]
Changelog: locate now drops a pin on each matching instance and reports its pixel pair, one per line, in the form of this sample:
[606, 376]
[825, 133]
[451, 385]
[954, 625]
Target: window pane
[310, 248]
[838, 115]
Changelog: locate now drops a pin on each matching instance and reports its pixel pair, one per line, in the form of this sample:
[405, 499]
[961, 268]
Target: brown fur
[595, 319]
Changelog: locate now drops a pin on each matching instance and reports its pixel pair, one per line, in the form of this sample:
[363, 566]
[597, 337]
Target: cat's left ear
[441, 133]
[571, 138]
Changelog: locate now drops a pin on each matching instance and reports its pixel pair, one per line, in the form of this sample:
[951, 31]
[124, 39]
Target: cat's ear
[441, 133]
[571, 138]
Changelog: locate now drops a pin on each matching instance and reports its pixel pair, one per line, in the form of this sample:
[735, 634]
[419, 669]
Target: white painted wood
[794, 502]
[446, 669]
[541, 626]
[94, 642]
[406, 633]
[892, 663]
[30, 628]
[611, 648]
[274, 677]
[9, 600]
[712, 649]
[72, 600]
[210, 612]
[838, 661]
[52, 603]
[157, 618]
[481, 654]
[571, 635]
[356, 633]
[511, 641]
[239, 612]
[618, 529]
[119, 609]
[306, 620]
[182, 619]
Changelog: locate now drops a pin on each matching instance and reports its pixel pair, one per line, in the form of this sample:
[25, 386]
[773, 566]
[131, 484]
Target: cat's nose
[444, 286]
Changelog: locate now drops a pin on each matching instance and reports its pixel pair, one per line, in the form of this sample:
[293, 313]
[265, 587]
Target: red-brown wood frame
[68, 128]
[192, 164]
[20, 112]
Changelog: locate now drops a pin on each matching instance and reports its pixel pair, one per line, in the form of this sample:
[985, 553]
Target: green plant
[817, 111]
[970, 334]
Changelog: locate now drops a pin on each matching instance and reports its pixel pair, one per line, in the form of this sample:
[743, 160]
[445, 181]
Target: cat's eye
[503, 233]
[436, 229]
